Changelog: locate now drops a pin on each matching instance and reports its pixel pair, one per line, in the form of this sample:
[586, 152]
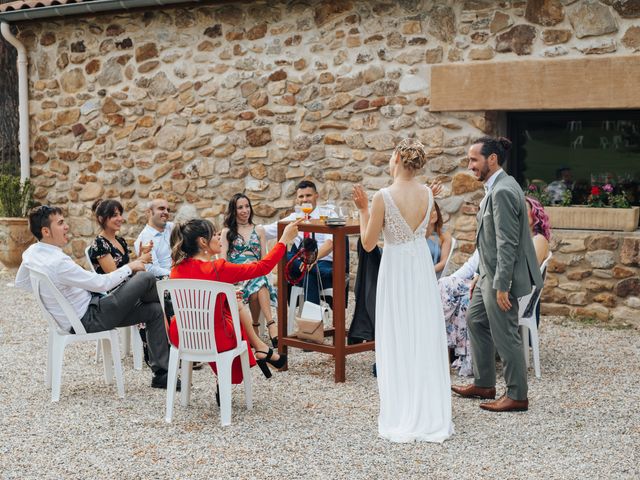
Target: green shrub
[16, 197]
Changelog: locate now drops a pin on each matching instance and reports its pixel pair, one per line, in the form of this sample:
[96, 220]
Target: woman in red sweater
[193, 245]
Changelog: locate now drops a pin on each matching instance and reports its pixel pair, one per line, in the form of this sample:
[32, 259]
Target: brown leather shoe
[471, 391]
[506, 404]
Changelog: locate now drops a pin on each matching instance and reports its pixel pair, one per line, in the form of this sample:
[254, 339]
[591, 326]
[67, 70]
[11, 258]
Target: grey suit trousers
[134, 301]
[491, 328]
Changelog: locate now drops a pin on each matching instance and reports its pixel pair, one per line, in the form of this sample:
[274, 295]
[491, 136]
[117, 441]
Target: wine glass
[307, 208]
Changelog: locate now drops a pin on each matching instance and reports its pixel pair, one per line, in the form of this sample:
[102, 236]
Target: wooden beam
[545, 84]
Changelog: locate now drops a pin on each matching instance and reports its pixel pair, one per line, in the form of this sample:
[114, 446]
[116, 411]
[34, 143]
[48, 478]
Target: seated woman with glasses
[193, 245]
[242, 242]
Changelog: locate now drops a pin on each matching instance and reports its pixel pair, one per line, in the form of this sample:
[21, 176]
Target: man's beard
[484, 173]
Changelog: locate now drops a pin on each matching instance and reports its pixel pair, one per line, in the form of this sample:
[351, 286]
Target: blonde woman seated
[193, 245]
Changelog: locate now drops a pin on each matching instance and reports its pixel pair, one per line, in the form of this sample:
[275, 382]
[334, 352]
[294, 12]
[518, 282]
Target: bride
[411, 343]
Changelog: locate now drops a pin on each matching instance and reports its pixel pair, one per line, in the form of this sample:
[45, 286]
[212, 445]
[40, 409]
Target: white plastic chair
[444, 271]
[59, 339]
[528, 323]
[193, 304]
[130, 335]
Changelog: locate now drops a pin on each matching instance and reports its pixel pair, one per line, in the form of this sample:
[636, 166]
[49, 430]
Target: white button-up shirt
[161, 251]
[271, 231]
[74, 282]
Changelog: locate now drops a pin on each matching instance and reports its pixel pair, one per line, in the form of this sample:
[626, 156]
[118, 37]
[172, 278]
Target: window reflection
[575, 150]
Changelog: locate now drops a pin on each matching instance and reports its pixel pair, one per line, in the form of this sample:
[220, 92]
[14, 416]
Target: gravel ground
[584, 420]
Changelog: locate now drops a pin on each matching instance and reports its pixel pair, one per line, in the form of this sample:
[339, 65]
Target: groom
[508, 270]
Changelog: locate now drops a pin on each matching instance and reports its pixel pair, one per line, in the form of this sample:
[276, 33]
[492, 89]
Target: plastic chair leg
[224, 382]
[47, 373]
[172, 381]
[136, 346]
[57, 358]
[246, 378]
[185, 393]
[107, 359]
[296, 293]
[524, 335]
[126, 339]
[535, 346]
[98, 351]
[117, 364]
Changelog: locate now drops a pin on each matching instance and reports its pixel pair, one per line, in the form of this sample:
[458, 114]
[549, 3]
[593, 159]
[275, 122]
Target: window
[578, 149]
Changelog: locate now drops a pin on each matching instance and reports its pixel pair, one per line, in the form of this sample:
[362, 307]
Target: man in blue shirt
[158, 232]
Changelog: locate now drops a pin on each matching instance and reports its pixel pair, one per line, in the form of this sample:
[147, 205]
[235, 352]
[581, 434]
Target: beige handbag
[310, 330]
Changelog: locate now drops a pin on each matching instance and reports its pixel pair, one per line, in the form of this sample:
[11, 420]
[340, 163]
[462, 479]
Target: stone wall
[195, 104]
[594, 275]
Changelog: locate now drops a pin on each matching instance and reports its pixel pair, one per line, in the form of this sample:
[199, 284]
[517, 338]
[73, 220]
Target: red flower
[595, 190]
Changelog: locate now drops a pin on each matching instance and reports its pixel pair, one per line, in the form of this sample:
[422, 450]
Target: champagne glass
[307, 208]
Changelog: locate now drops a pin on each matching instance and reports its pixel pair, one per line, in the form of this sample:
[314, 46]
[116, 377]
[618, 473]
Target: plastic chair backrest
[86, 254]
[194, 304]
[527, 300]
[38, 279]
[444, 271]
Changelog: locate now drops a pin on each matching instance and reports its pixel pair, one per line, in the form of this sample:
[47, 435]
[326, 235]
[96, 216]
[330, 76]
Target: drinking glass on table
[307, 208]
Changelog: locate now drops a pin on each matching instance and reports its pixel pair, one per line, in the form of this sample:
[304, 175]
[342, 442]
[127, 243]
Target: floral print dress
[242, 251]
[101, 247]
[454, 293]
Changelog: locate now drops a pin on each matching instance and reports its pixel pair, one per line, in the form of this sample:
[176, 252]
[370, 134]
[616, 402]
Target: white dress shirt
[74, 282]
[488, 185]
[161, 251]
[271, 231]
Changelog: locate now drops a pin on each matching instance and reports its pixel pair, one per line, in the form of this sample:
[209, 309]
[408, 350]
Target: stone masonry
[197, 103]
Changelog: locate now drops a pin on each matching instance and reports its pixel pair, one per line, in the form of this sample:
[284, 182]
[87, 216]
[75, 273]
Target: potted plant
[15, 200]
[607, 208]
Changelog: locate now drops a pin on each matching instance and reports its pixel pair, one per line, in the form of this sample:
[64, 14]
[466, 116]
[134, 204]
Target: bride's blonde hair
[411, 153]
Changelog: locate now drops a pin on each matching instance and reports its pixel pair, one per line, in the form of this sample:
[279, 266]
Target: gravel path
[584, 420]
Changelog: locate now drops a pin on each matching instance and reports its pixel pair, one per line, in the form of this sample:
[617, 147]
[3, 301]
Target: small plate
[335, 222]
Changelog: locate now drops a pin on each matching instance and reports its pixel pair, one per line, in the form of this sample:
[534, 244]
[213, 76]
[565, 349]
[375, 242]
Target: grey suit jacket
[507, 255]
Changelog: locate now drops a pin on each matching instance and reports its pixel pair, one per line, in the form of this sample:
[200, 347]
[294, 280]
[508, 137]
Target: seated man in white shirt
[158, 232]
[306, 192]
[134, 301]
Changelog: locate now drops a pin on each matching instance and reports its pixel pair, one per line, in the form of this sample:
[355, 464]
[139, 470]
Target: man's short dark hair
[40, 217]
[306, 184]
[500, 146]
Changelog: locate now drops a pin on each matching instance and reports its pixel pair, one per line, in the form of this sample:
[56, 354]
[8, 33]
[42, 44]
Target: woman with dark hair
[108, 252]
[242, 242]
[193, 245]
[438, 240]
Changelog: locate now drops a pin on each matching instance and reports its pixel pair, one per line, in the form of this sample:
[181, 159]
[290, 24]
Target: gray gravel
[584, 420]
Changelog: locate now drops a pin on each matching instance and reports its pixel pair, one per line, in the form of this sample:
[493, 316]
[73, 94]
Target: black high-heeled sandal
[262, 363]
[274, 340]
[218, 394]
[281, 362]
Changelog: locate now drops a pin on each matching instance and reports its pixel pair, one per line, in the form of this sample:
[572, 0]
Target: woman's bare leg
[254, 308]
[254, 340]
[265, 307]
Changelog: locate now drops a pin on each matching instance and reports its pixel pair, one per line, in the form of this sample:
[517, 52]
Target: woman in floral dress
[243, 242]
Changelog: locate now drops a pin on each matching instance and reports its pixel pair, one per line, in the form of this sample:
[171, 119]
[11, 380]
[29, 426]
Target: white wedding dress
[411, 344]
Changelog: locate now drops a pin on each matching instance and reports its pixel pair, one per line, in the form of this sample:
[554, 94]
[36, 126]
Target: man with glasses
[132, 299]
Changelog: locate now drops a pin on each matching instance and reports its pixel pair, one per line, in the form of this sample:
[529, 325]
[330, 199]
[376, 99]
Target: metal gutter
[23, 101]
[97, 6]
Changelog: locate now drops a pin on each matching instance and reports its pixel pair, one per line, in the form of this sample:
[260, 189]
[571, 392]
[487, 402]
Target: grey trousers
[134, 301]
[489, 329]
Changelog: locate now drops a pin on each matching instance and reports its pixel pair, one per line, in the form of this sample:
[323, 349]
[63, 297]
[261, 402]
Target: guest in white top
[135, 300]
[306, 192]
[157, 231]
